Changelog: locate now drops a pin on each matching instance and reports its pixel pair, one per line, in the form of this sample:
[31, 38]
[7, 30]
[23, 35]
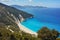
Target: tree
[55, 34]
[46, 34]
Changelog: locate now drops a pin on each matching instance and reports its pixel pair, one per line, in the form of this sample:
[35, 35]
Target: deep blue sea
[49, 17]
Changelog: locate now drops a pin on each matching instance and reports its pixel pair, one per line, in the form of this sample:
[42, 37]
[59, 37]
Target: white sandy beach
[25, 29]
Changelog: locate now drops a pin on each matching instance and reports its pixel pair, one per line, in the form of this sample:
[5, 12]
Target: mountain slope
[7, 13]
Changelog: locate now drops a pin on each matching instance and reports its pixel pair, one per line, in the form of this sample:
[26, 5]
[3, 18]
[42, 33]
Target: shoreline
[26, 30]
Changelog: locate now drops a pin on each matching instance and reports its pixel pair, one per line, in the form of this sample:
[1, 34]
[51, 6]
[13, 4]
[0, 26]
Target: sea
[43, 17]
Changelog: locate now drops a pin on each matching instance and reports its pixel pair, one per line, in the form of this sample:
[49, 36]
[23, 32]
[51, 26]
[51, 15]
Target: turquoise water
[49, 17]
[35, 25]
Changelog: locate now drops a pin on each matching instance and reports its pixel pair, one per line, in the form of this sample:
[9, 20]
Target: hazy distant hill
[17, 6]
[6, 13]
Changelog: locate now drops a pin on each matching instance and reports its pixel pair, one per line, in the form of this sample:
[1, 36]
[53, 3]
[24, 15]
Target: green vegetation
[47, 34]
[43, 34]
[6, 34]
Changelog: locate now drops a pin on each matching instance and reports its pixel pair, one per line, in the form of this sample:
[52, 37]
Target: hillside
[6, 13]
[9, 30]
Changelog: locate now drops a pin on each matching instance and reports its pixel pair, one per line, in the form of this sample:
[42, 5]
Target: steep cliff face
[8, 13]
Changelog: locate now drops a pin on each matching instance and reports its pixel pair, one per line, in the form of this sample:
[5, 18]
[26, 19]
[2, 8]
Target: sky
[46, 3]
